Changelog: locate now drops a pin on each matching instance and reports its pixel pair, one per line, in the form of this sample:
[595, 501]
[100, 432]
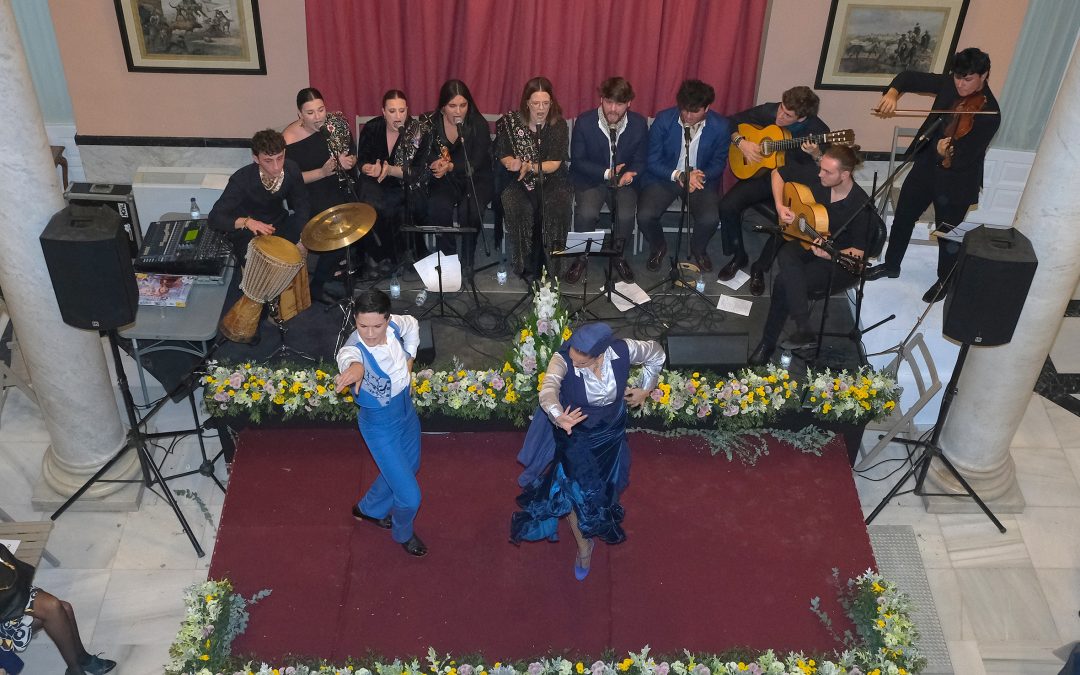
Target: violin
[962, 121]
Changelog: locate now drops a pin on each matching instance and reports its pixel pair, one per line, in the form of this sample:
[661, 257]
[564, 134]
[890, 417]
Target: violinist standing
[948, 170]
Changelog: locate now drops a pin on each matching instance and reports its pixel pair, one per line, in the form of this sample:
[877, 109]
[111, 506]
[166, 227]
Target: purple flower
[235, 380]
[731, 411]
[597, 668]
[496, 384]
[663, 668]
[221, 397]
[534, 668]
[702, 669]
[703, 410]
[465, 669]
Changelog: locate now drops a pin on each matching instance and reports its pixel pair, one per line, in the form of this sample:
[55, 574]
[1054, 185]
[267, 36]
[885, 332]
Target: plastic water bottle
[500, 273]
[421, 297]
[700, 282]
[785, 359]
[395, 286]
[196, 213]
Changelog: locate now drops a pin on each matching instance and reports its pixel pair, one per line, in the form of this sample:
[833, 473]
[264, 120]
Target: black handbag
[15, 578]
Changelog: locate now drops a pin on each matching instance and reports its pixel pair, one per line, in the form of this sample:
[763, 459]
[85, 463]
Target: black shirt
[855, 235]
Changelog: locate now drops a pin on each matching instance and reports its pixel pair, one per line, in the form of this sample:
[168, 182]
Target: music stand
[441, 304]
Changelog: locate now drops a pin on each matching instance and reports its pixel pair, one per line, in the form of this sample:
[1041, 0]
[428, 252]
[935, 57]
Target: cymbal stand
[283, 349]
[347, 305]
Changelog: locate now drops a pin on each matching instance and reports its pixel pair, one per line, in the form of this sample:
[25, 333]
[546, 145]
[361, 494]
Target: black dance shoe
[415, 547]
[728, 271]
[757, 283]
[384, 523]
[935, 292]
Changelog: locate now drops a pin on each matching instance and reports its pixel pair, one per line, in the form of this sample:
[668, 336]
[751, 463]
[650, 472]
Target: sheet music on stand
[451, 272]
[578, 242]
[957, 233]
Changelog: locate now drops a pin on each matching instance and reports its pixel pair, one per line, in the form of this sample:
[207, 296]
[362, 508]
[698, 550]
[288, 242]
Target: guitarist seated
[805, 263]
[797, 114]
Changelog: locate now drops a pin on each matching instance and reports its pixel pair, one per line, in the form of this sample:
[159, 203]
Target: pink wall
[796, 30]
[109, 100]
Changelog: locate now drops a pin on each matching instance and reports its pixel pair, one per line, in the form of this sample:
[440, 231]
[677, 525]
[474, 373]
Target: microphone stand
[539, 252]
[479, 214]
[674, 274]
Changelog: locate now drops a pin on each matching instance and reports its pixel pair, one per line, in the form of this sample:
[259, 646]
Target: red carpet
[718, 554]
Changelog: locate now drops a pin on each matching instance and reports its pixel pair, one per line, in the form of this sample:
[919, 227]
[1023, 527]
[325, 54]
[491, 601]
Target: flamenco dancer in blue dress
[576, 455]
[376, 361]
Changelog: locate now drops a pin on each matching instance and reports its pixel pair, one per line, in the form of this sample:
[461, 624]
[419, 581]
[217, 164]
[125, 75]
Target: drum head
[277, 249]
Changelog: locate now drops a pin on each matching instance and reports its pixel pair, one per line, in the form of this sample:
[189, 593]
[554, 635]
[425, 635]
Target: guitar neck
[793, 143]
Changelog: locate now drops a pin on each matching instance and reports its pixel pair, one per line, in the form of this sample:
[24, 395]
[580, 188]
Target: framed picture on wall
[192, 36]
[867, 42]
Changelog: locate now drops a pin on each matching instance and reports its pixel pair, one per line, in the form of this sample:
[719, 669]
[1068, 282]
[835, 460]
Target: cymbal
[338, 226]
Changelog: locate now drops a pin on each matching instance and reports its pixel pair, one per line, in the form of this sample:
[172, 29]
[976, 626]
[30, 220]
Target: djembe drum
[272, 263]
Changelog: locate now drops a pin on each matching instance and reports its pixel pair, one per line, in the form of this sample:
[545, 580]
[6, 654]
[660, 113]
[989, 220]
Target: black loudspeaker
[989, 286]
[717, 352]
[119, 198]
[87, 252]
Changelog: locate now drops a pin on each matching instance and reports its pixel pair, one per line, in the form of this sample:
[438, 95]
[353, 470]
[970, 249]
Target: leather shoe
[702, 260]
[728, 271]
[761, 355]
[757, 283]
[935, 292]
[384, 523]
[800, 340]
[95, 665]
[415, 547]
[623, 268]
[656, 257]
[573, 275]
[879, 271]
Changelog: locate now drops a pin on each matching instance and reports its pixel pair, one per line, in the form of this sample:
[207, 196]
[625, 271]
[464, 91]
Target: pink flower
[235, 380]
[663, 668]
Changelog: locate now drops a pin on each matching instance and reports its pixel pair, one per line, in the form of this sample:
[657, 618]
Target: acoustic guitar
[810, 224]
[774, 141]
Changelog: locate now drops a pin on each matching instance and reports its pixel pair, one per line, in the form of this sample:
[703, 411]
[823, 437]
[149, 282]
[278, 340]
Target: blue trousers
[392, 434]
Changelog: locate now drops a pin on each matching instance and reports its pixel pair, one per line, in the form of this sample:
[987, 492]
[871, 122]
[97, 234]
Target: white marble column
[67, 365]
[996, 383]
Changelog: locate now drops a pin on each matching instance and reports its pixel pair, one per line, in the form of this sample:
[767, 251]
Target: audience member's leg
[652, 203]
[705, 208]
[741, 196]
[57, 618]
[626, 208]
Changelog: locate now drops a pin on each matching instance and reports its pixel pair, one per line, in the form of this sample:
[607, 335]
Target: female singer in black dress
[448, 135]
[383, 148]
[531, 144]
[307, 144]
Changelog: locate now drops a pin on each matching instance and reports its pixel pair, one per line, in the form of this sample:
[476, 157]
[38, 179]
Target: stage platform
[490, 316]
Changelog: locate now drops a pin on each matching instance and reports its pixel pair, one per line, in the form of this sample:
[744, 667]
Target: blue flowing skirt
[589, 470]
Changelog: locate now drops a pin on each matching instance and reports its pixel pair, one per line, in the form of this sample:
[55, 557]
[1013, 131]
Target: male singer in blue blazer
[596, 179]
[709, 137]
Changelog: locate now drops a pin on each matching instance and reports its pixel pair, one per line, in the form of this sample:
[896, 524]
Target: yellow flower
[256, 395]
[826, 408]
[880, 623]
[348, 399]
[566, 333]
[320, 390]
[320, 375]
[211, 598]
[579, 667]
[279, 400]
[307, 394]
[204, 657]
[625, 665]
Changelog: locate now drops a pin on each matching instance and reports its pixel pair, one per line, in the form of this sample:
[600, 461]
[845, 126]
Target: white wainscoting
[1004, 178]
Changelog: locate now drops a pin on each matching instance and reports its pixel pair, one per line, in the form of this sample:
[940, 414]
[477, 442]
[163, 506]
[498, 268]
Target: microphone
[925, 136]
[613, 134]
[459, 123]
[686, 134]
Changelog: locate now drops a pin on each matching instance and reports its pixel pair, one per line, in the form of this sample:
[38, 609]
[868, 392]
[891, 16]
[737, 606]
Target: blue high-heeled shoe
[581, 571]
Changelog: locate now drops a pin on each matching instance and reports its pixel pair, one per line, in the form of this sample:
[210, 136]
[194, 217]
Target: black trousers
[589, 201]
[917, 193]
[447, 199]
[740, 197]
[704, 208]
[800, 274]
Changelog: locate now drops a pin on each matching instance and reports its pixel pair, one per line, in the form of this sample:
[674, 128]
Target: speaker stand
[931, 451]
[136, 440]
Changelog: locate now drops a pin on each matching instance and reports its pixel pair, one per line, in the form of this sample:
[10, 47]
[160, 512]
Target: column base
[56, 484]
[998, 489]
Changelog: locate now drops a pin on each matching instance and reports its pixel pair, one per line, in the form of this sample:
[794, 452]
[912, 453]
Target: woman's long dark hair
[452, 88]
[308, 94]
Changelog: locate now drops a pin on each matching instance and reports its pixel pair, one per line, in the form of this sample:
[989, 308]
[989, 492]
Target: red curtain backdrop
[357, 49]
